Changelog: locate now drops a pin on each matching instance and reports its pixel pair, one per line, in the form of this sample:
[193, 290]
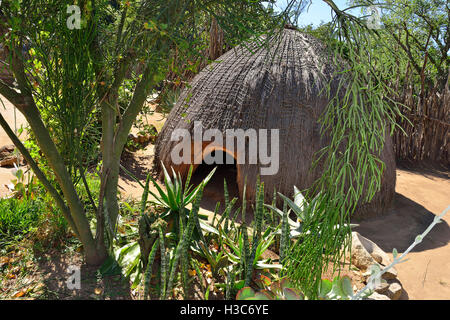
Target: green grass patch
[18, 218]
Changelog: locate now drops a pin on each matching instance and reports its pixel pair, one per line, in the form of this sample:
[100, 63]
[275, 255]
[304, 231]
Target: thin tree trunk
[26, 105]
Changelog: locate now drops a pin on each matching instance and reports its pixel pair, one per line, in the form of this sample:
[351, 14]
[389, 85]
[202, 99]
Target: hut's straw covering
[279, 88]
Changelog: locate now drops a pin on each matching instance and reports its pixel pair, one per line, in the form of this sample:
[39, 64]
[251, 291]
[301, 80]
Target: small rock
[377, 296]
[361, 258]
[366, 253]
[394, 291]
[9, 161]
[382, 287]
[365, 248]
[377, 257]
[391, 274]
[5, 151]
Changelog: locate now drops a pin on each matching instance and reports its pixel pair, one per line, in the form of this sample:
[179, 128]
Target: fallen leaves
[192, 273]
[20, 293]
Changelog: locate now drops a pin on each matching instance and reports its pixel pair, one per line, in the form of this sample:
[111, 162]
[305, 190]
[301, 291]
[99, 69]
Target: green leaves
[394, 253]
[245, 293]
[325, 287]
[278, 290]
[338, 289]
[126, 260]
[176, 197]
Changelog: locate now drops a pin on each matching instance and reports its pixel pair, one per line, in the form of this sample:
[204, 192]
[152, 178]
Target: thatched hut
[276, 88]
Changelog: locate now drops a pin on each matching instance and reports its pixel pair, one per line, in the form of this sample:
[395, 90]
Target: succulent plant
[338, 289]
[278, 290]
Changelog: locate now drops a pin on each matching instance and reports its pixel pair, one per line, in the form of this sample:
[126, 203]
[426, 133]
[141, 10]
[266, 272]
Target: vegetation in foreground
[75, 203]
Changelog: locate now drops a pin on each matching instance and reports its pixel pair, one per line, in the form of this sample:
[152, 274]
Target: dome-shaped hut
[263, 90]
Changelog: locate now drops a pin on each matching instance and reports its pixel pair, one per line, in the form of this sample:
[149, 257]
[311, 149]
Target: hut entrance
[214, 191]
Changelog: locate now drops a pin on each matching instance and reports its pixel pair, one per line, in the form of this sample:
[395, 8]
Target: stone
[6, 151]
[391, 274]
[8, 158]
[361, 258]
[377, 257]
[382, 287]
[366, 253]
[377, 296]
[395, 290]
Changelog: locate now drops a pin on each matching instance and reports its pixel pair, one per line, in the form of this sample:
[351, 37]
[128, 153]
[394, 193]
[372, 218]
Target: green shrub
[18, 218]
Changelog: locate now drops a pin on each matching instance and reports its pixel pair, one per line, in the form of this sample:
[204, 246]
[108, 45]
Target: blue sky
[317, 12]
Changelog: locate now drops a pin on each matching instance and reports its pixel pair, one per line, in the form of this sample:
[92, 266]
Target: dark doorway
[214, 190]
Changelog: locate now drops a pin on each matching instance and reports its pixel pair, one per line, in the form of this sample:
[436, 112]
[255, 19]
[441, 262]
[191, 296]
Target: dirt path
[420, 196]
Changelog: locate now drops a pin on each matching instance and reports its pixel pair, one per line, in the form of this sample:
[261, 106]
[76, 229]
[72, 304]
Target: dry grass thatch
[249, 90]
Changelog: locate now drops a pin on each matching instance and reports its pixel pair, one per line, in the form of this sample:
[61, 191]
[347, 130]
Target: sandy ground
[7, 111]
[420, 196]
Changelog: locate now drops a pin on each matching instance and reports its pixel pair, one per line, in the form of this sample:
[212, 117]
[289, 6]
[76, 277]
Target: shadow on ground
[401, 224]
[54, 270]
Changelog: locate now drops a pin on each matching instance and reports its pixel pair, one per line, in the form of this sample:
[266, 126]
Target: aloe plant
[176, 196]
[303, 210]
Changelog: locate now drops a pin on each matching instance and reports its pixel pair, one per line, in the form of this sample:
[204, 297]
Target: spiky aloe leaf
[259, 211]
[216, 210]
[191, 196]
[244, 252]
[162, 198]
[229, 285]
[148, 271]
[183, 245]
[170, 189]
[285, 237]
[225, 192]
[163, 263]
[226, 213]
[188, 178]
[299, 199]
[145, 194]
[297, 210]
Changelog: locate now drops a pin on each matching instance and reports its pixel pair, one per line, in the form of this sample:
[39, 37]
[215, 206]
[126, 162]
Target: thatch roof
[247, 90]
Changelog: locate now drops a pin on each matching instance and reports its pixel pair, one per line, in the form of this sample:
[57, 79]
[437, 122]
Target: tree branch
[39, 174]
